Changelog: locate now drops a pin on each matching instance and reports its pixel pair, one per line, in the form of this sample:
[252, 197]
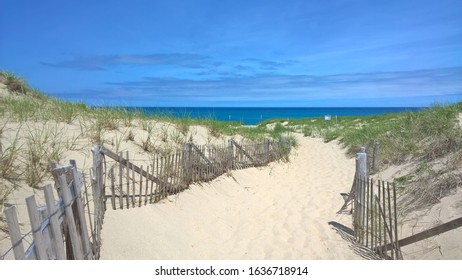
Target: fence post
[78, 182]
[36, 225]
[266, 144]
[14, 232]
[187, 162]
[58, 242]
[230, 154]
[360, 176]
[98, 198]
[75, 239]
[361, 163]
[97, 180]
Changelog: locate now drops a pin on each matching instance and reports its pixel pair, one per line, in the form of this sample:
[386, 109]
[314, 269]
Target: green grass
[43, 108]
[431, 138]
[430, 133]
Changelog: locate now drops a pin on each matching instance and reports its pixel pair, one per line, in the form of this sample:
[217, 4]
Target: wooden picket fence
[59, 228]
[375, 214]
[375, 219]
[127, 185]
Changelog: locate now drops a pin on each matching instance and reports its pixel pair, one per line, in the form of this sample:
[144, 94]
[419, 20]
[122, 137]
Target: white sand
[445, 246]
[280, 211]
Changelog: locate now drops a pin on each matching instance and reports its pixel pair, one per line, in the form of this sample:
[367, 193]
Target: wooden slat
[128, 180]
[354, 196]
[371, 205]
[133, 188]
[46, 232]
[151, 194]
[168, 171]
[40, 247]
[14, 232]
[200, 152]
[87, 204]
[146, 191]
[456, 223]
[398, 248]
[367, 192]
[120, 185]
[157, 190]
[363, 209]
[74, 236]
[87, 251]
[120, 159]
[161, 175]
[57, 237]
[384, 219]
[390, 219]
[141, 186]
[387, 230]
[188, 164]
[379, 191]
[112, 188]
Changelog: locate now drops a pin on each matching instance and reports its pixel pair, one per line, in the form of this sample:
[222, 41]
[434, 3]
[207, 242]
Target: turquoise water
[250, 116]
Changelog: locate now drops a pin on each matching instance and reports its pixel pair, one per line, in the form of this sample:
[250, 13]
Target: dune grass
[430, 133]
[422, 136]
[430, 139]
[99, 119]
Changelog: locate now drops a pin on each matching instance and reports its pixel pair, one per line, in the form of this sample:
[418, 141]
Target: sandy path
[277, 212]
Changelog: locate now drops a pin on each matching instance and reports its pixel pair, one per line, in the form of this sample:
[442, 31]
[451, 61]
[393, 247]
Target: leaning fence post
[78, 182]
[36, 225]
[73, 233]
[14, 232]
[55, 226]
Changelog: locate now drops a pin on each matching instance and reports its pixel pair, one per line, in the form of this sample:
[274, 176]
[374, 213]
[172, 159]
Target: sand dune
[280, 211]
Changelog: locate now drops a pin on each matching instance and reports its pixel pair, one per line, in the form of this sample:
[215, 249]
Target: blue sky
[237, 53]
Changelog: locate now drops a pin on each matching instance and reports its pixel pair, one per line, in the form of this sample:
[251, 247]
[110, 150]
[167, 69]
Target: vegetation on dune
[430, 138]
[39, 139]
[20, 107]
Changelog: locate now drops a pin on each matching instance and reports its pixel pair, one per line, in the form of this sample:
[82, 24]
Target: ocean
[252, 116]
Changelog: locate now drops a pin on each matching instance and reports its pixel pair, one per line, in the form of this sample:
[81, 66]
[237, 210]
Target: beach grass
[430, 140]
[423, 136]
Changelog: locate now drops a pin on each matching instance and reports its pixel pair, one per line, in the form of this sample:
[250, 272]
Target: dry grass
[4, 192]
[9, 156]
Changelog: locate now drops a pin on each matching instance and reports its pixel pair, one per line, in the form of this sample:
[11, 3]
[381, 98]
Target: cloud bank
[416, 87]
[104, 62]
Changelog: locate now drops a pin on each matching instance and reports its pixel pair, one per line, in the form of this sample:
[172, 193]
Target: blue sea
[251, 116]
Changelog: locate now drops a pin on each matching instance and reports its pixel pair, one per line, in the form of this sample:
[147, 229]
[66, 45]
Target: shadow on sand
[348, 234]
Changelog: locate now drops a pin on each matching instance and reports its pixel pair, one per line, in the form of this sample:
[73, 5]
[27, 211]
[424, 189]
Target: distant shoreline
[255, 115]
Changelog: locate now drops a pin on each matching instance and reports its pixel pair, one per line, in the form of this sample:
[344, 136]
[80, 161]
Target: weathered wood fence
[375, 219]
[127, 185]
[59, 228]
[374, 211]
[375, 214]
